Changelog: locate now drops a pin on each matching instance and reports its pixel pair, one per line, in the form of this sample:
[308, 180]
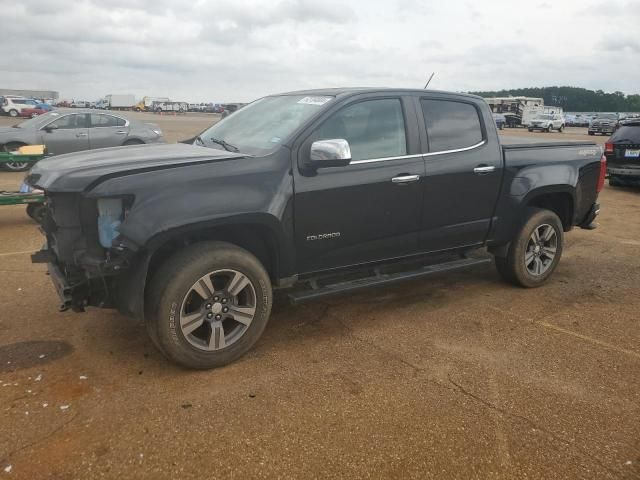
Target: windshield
[545, 117]
[608, 116]
[263, 125]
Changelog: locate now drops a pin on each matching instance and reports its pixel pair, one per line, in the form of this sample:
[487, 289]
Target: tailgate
[625, 154]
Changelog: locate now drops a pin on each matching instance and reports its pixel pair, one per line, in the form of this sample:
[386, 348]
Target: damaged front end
[86, 257]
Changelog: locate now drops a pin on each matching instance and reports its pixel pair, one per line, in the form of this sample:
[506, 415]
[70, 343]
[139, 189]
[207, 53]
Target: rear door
[370, 209]
[67, 134]
[463, 175]
[107, 130]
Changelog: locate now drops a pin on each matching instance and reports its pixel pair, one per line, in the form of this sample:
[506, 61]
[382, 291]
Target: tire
[616, 182]
[514, 268]
[591, 133]
[548, 129]
[172, 294]
[15, 166]
[133, 141]
[37, 211]
[530, 129]
[561, 128]
[13, 113]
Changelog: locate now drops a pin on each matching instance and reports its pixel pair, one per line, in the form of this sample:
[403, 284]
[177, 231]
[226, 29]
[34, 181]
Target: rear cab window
[451, 125]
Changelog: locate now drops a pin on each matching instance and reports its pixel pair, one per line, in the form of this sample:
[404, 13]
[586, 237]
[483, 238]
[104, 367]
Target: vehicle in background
[547, 122]
[64, 131]
[322, 192]
[146, 104]
[63, 104]
[229, 108]
[33, 112]
[196, 107]
[623, 154]
[117, 102]
[177, 107]
[517, 110]
[500, 120]
[13, 105]
[604, 123]
[79, 104]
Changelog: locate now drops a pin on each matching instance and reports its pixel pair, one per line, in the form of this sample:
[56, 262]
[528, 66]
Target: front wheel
[15, 166]
[208, 305]
[535, 252]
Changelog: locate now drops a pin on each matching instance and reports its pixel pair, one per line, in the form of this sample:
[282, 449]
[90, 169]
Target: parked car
[33, 112]
[64, 131]
[623, 154]
[80, 104]
[604, 123]
[321, 192]
[547, 122]
[13, 105]
[500, 120]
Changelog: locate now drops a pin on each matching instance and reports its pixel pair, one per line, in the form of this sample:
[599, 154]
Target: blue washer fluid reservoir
[109, 219]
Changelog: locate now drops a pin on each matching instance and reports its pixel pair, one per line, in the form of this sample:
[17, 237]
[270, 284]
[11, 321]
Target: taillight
[603, 173]
[608, 147]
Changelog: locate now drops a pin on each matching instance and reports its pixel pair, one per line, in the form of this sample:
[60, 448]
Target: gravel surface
[459, 376]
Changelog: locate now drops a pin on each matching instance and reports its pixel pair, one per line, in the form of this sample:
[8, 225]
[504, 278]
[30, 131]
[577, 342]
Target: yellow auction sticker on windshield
[314, 100]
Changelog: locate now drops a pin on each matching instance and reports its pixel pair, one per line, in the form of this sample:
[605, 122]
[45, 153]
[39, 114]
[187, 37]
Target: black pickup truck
[318, 192]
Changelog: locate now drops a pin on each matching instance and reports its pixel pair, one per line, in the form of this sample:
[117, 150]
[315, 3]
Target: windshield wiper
[227, 146]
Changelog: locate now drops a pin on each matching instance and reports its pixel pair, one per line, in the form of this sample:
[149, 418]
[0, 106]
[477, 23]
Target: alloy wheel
[218, 310]
[541, 250]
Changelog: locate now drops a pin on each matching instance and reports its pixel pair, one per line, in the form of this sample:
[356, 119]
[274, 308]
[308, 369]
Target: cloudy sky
[237, 50]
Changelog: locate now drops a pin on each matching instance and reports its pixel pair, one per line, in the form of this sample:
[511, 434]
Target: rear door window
[373, 128]
[99, 120]
[451, 125]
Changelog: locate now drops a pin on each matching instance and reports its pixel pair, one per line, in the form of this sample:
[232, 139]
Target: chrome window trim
[384, 159]
[429, 154]
[455, 150]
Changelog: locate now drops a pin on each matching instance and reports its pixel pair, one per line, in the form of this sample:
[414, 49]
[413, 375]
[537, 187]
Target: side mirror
[50, 128]
[330, 153]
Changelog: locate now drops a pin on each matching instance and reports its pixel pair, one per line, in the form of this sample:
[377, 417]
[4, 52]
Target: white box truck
[120, 102]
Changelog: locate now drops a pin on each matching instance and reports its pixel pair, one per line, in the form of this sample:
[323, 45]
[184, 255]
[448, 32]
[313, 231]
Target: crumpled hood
[74, 172]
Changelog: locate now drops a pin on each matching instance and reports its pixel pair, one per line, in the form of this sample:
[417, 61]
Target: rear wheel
[13, 113]
[208, 305]
[15, 166]
[615, 181]
[37, 211]
[535, 252]
[561, 128]
[133, 141]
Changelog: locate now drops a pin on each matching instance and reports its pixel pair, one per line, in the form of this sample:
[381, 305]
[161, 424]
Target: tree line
[574, 99]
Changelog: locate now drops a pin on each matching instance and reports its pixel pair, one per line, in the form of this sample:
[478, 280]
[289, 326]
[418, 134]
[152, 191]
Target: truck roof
[348, 91]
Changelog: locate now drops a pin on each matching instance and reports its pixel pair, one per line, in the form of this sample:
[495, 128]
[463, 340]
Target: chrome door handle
[406, 179]
[484, 169]
[81, 134]
[121, 132]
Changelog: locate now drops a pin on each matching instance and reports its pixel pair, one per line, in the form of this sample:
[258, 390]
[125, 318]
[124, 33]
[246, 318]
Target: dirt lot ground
[459, 376]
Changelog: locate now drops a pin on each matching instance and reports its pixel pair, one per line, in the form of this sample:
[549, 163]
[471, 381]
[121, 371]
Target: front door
[369, 210]
[67, 134]
[463, 175]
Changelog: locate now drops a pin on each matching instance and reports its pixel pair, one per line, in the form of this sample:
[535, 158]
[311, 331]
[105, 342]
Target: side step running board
[384, 279]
